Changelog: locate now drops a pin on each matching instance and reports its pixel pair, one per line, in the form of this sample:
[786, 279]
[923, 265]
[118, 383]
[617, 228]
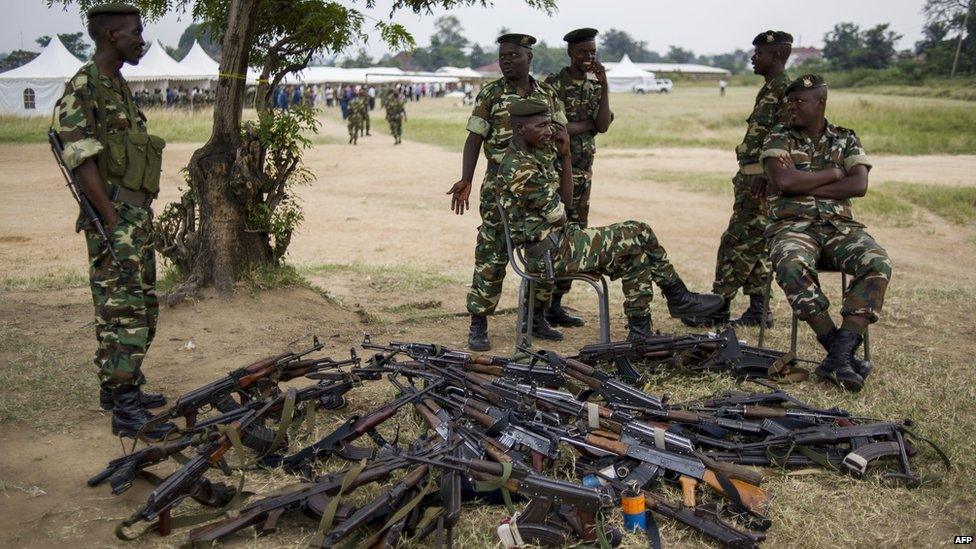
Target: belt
[544, 246]
[751, 169]
[128, 196]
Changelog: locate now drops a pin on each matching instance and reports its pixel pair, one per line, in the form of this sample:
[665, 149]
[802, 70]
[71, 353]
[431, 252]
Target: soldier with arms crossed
[536, 195]
[117, 164]
[587, 104]
[814, 169]
[743, 255]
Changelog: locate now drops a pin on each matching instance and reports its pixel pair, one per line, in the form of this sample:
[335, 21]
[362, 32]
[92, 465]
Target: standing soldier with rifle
[743, 254]
[587, 103]
[114, 165]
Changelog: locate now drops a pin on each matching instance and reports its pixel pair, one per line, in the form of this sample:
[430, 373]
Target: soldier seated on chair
[536, 193]
[815, 169]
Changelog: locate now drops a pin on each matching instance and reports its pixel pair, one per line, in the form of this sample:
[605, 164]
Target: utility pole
[965, 23]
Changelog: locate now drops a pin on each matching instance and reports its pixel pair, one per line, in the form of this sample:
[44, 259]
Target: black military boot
[149, 400]
[862, 367]
[718, 318]
[683, 303]
[129, 415]
[754, 314]
[836, 366]
[558, 316]
[638, 327]
[541, 327]
[478, 333]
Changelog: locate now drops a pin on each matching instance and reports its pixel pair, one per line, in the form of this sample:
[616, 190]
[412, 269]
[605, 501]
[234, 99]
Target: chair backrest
[515, 257]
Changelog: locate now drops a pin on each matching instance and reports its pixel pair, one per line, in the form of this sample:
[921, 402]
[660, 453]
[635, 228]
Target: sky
[704, 26]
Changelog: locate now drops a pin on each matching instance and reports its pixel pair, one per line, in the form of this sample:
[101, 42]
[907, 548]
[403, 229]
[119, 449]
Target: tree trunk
[224, 244]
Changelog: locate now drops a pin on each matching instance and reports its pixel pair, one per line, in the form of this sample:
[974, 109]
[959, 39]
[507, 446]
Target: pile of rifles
[557, 443]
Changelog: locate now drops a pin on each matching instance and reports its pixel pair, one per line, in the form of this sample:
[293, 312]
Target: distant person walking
[721, 87]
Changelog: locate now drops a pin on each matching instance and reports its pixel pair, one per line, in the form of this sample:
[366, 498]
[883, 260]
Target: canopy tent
[625, 75]
[157, 69]
[33, 89]
[367, 75]
[198, 62]
[677, 68]
[465, 73]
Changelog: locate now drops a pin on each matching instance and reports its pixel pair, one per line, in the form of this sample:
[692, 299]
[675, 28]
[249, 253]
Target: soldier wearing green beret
[743, 255]
[117, 163]
[488, 127]
[815, 168]
[537, 194]
[582, 87]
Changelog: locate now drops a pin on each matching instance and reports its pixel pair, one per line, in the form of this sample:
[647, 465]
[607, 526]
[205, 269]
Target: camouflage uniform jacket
[77, 119]
[358, 109]
[394, 107]
[579, 97]
[490, 116]
[770, 110]
[836, 147]
[529, 192]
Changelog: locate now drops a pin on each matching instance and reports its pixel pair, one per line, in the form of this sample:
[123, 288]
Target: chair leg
[521, 331]
[604, 297]
[530, 312]
[793, 329]
[765, 309]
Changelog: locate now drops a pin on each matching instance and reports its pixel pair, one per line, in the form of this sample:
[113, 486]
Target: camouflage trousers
[355, 125]
[628, 250]
[365, 123]
[396, 126]
[743, 255]
[578, 213]
[797, 251]
[125, 301]
[491, 256]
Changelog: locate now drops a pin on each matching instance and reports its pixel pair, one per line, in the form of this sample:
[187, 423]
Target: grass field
[698, 117]
[691, 116]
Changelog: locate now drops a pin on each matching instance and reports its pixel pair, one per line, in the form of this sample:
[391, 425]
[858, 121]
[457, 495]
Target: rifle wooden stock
[753, 497]
[484, 419]
[683, 416]
[366, 423]
[733, 470]
[427, 414]
[688, 488]
[579, 367]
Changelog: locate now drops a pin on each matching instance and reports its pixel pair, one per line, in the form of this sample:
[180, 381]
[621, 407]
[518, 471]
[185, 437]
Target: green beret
[807, 82]
[528, 106]
[580, 35]
[772, 38]
[112, 8]
[523, 40]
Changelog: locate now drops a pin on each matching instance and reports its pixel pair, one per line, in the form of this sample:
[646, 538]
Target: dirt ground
[379, 238]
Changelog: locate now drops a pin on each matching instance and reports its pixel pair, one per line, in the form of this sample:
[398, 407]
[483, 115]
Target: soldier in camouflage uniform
[358, 111]
[743, 255]
[489, 126]
[396, 114]
[582, 87]
[117, 164]
[815, 168]
[536, 195]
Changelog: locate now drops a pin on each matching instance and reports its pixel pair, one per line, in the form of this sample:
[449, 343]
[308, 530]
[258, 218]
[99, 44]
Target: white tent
[198, 62]
[157, 69]
[625, 75]
[465, 73]
[34, 88]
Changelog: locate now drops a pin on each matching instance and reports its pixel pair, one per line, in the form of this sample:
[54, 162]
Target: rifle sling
[328, 515]
[401, 512]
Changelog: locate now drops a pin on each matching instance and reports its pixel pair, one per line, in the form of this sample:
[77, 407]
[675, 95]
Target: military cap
[112, 8]
[772, 38]
[807, 82]
[528, 106]
[580, 35]
[523, 40]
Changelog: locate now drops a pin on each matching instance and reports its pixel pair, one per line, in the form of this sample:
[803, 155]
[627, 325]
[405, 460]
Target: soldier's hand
[460, 192]
[110, 219]
[759, 187]
[786, 161]
[560, 139]
[599, 71]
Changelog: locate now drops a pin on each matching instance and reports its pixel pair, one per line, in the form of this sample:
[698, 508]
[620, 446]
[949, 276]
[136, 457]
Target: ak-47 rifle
[611, 389]
[80, 197]
[349, 431]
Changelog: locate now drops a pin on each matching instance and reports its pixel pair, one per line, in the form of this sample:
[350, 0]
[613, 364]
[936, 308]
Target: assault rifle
[80, 197]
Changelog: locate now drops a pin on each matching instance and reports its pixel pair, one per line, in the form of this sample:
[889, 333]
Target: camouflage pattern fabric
[768, 111]
[394, 114]
[358, 114]
[806, 232]
[490, 120]
[743, 255]
[529, 192]
[125, 301]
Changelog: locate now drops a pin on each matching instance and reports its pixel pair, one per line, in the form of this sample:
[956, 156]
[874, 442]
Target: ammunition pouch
[128, 196]
[143, 162]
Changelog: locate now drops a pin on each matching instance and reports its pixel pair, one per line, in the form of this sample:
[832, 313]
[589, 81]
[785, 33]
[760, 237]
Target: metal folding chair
[529, 280]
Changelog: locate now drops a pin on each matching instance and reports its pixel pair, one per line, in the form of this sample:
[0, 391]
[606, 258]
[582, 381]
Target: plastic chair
[527, 286]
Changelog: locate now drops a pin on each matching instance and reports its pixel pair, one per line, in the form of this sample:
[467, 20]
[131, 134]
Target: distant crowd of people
[174, 98]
